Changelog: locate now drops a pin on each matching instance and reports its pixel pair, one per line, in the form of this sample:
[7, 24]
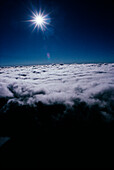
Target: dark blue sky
[80, 31]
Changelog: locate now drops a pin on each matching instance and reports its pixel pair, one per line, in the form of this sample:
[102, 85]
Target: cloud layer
[54, 92]
[52, 112]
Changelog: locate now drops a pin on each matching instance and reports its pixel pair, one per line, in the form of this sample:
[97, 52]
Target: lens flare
[40, 20]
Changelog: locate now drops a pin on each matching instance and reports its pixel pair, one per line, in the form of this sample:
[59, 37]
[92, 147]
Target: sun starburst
[40, 20]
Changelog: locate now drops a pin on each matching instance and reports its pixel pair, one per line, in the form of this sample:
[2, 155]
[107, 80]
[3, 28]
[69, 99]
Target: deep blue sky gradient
[81, 31]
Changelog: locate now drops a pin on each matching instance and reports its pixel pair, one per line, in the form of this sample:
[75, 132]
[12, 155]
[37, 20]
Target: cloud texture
[85, 91]
[51, 110]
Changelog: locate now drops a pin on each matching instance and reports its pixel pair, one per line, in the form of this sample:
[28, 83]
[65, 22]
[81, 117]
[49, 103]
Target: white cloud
[62, 84]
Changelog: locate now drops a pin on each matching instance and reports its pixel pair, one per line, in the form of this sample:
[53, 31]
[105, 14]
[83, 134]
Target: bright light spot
[40, 20]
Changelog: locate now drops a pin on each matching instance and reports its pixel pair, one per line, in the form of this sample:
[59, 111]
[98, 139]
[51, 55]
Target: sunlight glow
[40, 20]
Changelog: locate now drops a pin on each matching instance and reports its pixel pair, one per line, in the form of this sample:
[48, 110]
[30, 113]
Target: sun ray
[39, 20]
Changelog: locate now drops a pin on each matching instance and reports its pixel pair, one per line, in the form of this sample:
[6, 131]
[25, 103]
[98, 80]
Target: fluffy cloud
[66, 81]
[58, 110]
[56, 91]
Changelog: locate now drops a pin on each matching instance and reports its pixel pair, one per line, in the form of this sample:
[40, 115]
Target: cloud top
[83, 90]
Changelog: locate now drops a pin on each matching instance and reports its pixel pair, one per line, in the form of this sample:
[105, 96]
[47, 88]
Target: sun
[40, 20]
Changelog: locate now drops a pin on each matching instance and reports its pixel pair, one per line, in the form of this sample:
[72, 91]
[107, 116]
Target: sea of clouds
[91, 83]
[68, 96]
[85, 91]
